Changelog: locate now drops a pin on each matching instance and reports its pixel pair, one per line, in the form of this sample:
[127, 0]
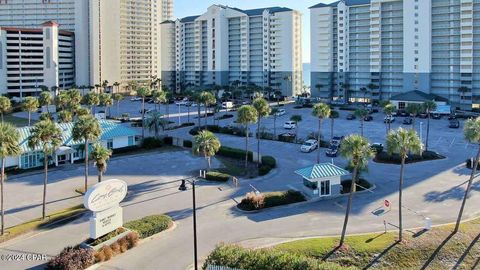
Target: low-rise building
[114, 136]
[322, 180]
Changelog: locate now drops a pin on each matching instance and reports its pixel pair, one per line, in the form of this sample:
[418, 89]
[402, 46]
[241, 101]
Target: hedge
[384, 157]
[270, 199]
[362, 184]
[236, 257]
[150, 225]
[234, 153]
[168, 140]
[187, 144]
[151, 142]
[237, 131]
[217, 176]
[269, 161]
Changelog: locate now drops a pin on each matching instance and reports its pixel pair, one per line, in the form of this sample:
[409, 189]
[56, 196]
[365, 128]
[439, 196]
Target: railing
[217, 267]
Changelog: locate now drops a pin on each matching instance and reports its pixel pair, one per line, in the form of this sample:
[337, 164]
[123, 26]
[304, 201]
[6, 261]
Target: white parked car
[389, 119]
[181, 103]
[135, 99]
[280, 112]
[290, 125]
[309, 146]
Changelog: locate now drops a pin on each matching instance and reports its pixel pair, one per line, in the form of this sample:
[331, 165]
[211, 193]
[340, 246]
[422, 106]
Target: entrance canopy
[64, 150]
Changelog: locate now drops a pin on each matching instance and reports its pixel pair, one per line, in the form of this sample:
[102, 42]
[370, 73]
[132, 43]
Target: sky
[184, 8]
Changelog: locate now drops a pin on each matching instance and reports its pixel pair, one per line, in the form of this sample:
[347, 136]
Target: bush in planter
[252, 201]
[168, 140]
[264, 170]
[187, 144]
[151, 142]
[72, 258]
[217, 176]
[269, 161]
[149, 225]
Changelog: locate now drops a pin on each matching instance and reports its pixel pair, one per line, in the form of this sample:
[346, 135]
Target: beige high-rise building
[115, 40]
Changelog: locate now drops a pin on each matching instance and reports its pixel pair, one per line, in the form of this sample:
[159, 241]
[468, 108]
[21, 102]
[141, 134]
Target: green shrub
[269, 161]
[264, 170]
[469, 164]
[151, 142]
[285, 138]
[264, 259]
[270, 199]
[234, 153]
[187, 144]
[217, 176]
[395, 158]
[72, 258]
[362, 184]
[108, 236]
[168, 140]
[126, 149]
[149, 225]
[377, 148]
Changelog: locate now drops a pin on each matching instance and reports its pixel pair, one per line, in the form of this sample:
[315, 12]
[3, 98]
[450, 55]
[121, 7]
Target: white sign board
[104, 199]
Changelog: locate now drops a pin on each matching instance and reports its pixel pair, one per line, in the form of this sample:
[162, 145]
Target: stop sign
[386, 203]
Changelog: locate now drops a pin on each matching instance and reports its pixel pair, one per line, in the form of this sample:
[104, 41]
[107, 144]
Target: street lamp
[183, 187]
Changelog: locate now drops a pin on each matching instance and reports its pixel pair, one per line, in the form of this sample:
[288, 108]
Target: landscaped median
[94, 251]
[384, 157]
[50, 220]
[257, 201]
[434, 249]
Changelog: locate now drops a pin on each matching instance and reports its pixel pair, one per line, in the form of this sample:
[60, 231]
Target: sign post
[103, 199]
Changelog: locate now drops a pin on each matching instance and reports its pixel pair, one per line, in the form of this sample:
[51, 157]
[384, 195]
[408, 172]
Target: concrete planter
[108, 242]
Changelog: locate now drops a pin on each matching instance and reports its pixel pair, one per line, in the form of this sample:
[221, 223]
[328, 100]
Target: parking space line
[453, 141]
[292, 187]
[438, 141]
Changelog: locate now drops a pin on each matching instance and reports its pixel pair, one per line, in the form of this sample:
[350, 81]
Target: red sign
[386, 203]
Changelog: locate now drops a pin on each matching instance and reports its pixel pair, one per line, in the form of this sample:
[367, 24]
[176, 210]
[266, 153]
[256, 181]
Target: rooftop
[417, 96]
[110, 130]
[347, 2]
[248, 12]
[321, 170]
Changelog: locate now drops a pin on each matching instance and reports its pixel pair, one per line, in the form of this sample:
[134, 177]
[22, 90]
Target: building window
[48, 57]
[131, 141]
[110, 144]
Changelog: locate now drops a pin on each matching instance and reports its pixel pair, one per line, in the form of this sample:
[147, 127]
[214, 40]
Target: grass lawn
[435, 249]
[38, 223]
[17, 121]
[231, 167]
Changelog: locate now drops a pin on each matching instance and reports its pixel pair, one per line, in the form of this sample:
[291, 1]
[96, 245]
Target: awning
[64, 150]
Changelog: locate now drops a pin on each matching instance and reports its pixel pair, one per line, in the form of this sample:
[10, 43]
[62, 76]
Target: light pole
[421, 132]
[183, 187]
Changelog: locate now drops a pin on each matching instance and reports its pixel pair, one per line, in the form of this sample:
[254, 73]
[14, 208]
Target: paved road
[433, 189]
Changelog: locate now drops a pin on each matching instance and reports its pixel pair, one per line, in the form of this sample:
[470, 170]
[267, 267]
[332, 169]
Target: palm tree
[388, 109]
[154, 122]
[48, 137]
[364, 90]
[357, 149]
[62, 100]
[65, 116]
[91, 99]
[297, 118]
[274, 112]
[100, 156]
[116, 85]
[106, 101]
[30, 104]
[333, 116]
[278, 95]
[9, 146]
[159, 97]
[372, 87]
[321, 111]
[414, 109]
[206, 144]
[74, 99]
[143, 92]
[86, 129]
[247, 115]
[5, 105]
[208, 99]
[471, 132]
[403, 142]
[105, 86]
[361, 114]
[263, 110]
[429, 107]
[117, 97]
[45, 99]
[288, 80]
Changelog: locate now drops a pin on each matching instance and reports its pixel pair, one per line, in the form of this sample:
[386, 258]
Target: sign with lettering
[103, 200]
[105, 195]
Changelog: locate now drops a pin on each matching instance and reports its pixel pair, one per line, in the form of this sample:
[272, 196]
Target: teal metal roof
[110, 130]
[321, 170]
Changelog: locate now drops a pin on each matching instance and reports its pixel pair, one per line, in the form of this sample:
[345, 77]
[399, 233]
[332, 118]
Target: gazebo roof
[321, 170]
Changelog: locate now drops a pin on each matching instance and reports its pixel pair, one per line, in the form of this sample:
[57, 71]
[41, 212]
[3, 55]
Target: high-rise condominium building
[227, 45]
[32, 57]
[115, 40]
[394, 46]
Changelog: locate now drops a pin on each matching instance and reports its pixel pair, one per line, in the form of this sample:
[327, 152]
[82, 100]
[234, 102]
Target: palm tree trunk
[206, 115]
[198, 110]
[118, 107]
[428, 131]
[353, 188]
[400, 198]
[100, 174]
[274, 127]
[332, 122]
[188, 114]
[258, 142]
[467, 191]
[2, 193]
[319, 137]
[29, 118]
[86, 166]
[361, 127]
[45, 179]
[143, 117]
[246, 146]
